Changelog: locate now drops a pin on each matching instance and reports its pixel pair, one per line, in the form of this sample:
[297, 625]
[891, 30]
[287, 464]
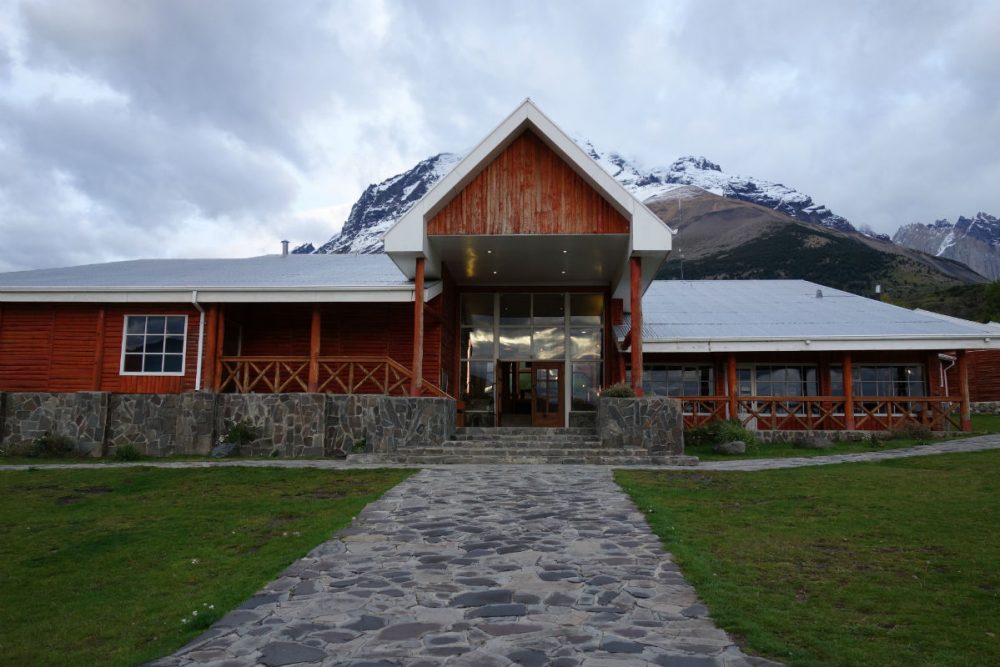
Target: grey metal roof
[265, 272]
[775, 309]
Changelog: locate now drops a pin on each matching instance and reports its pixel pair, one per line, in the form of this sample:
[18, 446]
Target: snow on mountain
[382, 204]
[973, 241]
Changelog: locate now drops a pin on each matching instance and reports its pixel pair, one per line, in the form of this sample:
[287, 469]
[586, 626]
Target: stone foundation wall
[82, 417]
[653, 423]
[986, 408]
[289, 425]
[792, 436]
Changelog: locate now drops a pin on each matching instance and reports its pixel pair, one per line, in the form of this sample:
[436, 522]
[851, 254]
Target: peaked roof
[407, 238]
[745, 315]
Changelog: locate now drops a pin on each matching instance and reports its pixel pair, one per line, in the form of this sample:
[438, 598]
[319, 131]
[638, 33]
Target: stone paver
[479, 566]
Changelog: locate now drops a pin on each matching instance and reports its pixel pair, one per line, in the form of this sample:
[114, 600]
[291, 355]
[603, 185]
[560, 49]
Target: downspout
[952, 360]
[201, 338]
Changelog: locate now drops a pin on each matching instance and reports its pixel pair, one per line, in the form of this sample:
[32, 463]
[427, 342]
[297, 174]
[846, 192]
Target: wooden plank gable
[528, 189]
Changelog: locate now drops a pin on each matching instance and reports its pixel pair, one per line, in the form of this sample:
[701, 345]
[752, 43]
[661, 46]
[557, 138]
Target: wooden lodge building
[520, 285]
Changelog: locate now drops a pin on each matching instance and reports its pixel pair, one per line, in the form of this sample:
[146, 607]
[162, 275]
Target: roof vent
[819, 294]
[284, 248]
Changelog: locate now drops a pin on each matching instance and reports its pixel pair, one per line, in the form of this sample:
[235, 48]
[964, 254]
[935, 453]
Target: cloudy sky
[200, 128]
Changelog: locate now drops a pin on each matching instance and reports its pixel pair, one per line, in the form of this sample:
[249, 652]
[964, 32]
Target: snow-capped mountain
[382, 204]
[973, 241]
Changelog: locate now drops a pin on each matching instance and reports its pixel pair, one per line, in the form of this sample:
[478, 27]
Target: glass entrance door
[547, 394]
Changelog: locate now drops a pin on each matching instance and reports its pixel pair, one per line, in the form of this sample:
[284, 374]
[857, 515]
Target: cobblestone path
[479, 566]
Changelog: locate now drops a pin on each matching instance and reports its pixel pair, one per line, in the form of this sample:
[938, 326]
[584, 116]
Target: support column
[98, 351]
[418, 330]
[635, 265]
[211, 332]
[220, 340]
[314, 338]
[963, 385]
[848, 375]
[731, 389]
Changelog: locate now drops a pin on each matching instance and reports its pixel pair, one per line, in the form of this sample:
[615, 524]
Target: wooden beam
[848, 377]
[220, 345]
[635, 263]
[418, 330]
[963, 384]
[432, 316]
[314, 342]
[731, 392]
[98, 350]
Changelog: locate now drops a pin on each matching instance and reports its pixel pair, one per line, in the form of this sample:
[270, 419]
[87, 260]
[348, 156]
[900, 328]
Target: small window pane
[133, 363]
[175, 344]
[477, 386]
[586, 308]
[549, 309]
[477, 310]
[135, 325]
[152, 364]
[585, 343]
[477, 343]
[515, 343]
[515, 309]
[172, 363]
[175, 324]
[155, 325]
[548, 343]
[154, 344]
[586, 385]
[134, 343]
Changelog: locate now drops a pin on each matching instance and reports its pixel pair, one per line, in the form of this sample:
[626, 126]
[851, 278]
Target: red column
[963, 384]
[731, 385]
[635, 264]
[314, 338]
[848, 375]
[418, 329]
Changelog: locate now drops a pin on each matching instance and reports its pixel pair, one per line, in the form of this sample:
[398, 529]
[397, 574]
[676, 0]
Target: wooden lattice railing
[337, 375]
[871, 413]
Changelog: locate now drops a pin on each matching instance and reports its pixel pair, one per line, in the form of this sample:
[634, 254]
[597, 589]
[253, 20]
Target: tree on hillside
[991, 302]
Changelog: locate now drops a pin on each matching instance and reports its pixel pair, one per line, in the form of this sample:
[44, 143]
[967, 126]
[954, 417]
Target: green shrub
[619, 390]
[126, 452]
[241, 432]
[53, 446]
[360, 445]
[717, 432]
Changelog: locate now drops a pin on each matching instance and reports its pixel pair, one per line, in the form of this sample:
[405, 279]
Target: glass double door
[531, 393]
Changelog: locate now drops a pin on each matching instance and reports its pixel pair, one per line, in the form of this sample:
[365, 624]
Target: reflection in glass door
[547, 394]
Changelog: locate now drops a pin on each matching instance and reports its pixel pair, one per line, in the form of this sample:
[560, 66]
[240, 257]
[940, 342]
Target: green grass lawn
[106, 566]
[889, 563]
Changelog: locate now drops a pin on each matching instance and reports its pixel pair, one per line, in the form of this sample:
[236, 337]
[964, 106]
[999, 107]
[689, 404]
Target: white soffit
[407, 238]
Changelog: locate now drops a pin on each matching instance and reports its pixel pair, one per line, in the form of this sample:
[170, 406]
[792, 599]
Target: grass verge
[106, 566]
[888, 563]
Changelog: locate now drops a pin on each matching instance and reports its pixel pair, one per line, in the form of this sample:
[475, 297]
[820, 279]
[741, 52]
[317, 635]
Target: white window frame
[121, 366]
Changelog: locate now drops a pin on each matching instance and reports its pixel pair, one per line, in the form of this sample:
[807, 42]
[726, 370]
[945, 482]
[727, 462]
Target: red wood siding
[54, 348]
[984, 375]
[528, 189]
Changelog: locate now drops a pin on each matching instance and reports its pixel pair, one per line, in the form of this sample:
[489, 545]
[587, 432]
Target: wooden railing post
[963, 383]
[635, 279]
[314, 340]
[848, 377]
[731, 385]
[418, 330]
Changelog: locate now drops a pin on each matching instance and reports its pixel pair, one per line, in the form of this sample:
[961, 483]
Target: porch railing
[337, 375]
[871, 413]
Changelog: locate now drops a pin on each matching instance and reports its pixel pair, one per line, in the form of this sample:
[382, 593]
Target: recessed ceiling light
[494, 273]
[489, 252]
[565, 251]
[564, 273]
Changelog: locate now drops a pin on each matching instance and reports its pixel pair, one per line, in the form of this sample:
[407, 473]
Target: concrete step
[504, 431]
[538, 442]
[485, 459]
[523, 451]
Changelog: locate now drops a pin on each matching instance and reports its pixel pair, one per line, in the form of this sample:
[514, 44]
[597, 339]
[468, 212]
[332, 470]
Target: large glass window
[478, 385]
[154, 345]
[880, 380]
[670, 380]
[785, 381]
[586, 385]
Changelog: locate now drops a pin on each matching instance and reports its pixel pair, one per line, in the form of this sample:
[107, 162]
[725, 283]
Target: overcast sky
[201, 128]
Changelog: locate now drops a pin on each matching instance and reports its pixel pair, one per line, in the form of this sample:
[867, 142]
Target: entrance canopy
[529, 207]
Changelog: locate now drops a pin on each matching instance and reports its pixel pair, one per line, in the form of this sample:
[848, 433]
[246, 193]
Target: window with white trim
[154, 345]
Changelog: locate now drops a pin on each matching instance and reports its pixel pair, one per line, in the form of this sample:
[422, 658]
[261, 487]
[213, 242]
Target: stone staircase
[472, 445]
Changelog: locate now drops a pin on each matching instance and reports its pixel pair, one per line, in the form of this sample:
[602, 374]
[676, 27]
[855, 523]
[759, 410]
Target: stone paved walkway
[480, 566]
